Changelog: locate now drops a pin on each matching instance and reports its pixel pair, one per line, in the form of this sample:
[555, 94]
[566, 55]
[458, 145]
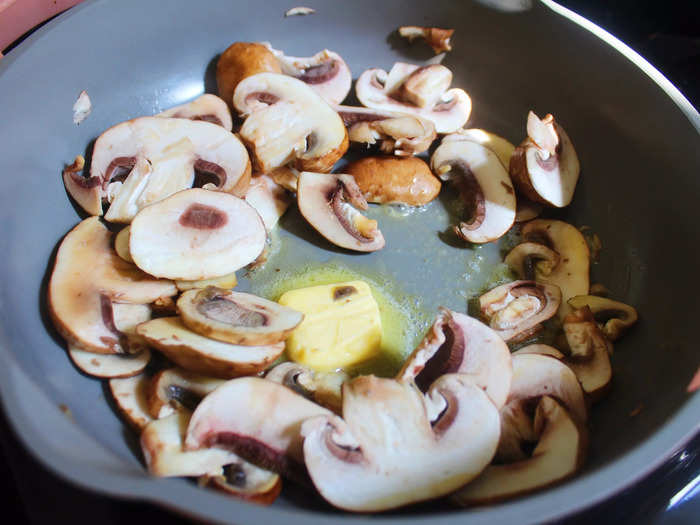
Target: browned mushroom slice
[396, 445]
[196, 234]
[209, 108]
[121, 244]
[131, 400]
[236, 317]
[516, 310]
[484, 185]
[87, 192]
[323, 388]
[88, 277]
[286, 177]
[202, 355]
[329, 203]
[421, 91]
[110, 365]
[545, 167]
[614, 317]
[561, 448]
[241, 60]
[258, 419]
[228, 282]
[245, 481]
[175, 388]
[590, 353]
[269, 199]
[457, 343]
[554, 252]
[287, 122]
[402, 134]
[527, 210]
[437, 38]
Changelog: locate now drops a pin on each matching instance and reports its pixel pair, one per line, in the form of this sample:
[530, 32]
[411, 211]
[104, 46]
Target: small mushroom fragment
[162, 443]
[438, 39]
[387, 451]
[545, 167]
[202, 355]
[242, 60]
[144, 160]
[131, 399]
[402, 134]
[421, 91]
[501, 147]
[299, 11]
[268, 198]
[561, 448]
[392, 180]
[121, 244]
[326, 72]
[247, 482]
[228, 281]
[88, 282]
[110, 365]
[457, 343]
[517, 310]
[589, 353]
[258, 419]
[82, 107]
[175, 388]
[196, 234]
[554, 252]
[323, 388]
[484, 185]
[236, 317]
[329, 203]
[287, 122]
[209, 108]
[614, 317]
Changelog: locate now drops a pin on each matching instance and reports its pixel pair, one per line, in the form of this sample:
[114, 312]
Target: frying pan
[635, 134]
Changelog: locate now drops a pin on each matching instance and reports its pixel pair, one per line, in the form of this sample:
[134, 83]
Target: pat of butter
[341, 325]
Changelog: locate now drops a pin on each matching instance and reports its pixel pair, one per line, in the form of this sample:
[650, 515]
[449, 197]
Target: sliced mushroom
[590, 353]
[85, 191]
[545, 167]
[539, 349]
[196, 234]
[199, 354]
[288, 122]
[110, 365]
[175, 388]
[326, 72]
[484, 185]
[402, 134]
[501, 147]
[245, 481]
[209, 108]
[87, 282]
[437, 38]
[323, 388]
[421, 91]
[286, 177]
[131, 399]
[554, 252]
[517, 310]
[561, 448]
[144, 160]
[228, 282]
[269, 199]
[236, 317]
[121, 244]
[242, 60]
[387, 452]
[457, 343]
[329, 203]
[162, 443]
[527, 210]
[614, 317]
[259, 420]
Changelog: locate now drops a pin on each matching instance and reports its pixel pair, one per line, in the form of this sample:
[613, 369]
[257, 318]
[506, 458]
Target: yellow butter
[341, 327]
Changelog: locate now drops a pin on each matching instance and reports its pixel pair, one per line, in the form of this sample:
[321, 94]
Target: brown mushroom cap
[242, 60]
[615, 317]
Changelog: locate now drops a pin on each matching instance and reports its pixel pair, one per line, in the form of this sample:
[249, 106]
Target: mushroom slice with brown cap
[614, 317]
[484, 185]
[196, 234]
[501, 147]
[258, 419]
[457, 343]
[554, 252]
[545, 167]
[387, 452]
[323, 388]
[421, 91]
[88, 281]
[437, 38]
[175, 388]
[206, 356]
[326, 72]
[110, 365]
[85, 191]
[208, 108]
[517, 310]
[245, 481]
[131, 400]
[287, 122]
[329, 203]
[527, 210]
[236, 317]
[402, 134]
[561, 448]
[268, 198]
